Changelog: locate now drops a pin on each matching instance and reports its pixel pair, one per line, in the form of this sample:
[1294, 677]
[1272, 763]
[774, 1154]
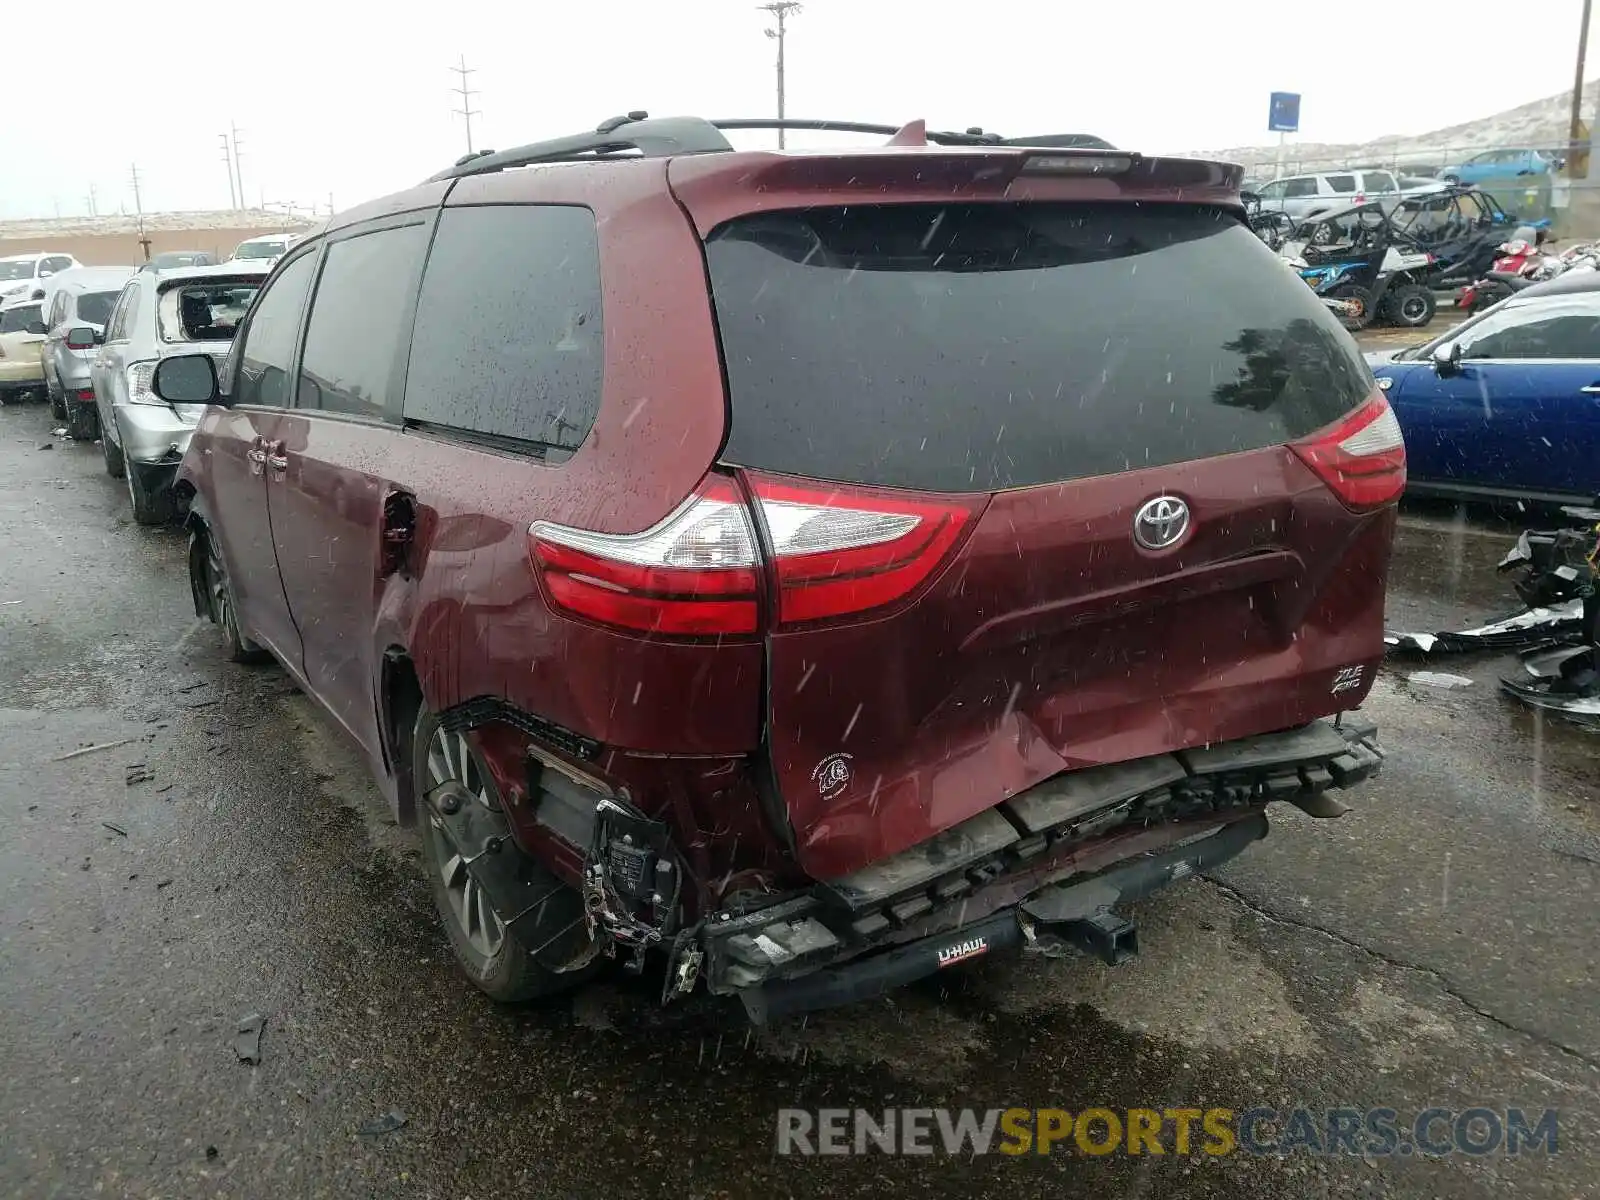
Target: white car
[268, 248]
[23, 275]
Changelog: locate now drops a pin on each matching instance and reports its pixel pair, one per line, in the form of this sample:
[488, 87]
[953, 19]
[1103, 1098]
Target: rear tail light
[837, 551]
[81, 395]
[140, 375]
[1362, 458]
[694, 574]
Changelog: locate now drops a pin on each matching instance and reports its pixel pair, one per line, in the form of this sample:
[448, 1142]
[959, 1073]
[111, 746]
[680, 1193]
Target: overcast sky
[354, 99]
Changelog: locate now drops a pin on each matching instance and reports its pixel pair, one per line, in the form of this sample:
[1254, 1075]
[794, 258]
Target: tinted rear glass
[981, 347]
[15, 320]
[94, 308]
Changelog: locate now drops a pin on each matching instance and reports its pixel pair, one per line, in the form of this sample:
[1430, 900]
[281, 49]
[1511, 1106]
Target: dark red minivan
[800, 572]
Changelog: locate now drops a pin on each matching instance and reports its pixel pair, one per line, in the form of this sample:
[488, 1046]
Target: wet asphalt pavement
[1437, 946]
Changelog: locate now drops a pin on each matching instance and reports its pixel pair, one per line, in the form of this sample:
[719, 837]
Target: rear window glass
[1341, 183]
[17, 320]
[204, 312]
[508, 340]
[981, 347]
[94, 308]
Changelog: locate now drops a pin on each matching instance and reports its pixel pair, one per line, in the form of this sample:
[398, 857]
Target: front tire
[493, 957]
[83, 422]
[219, 596]
[115, 466]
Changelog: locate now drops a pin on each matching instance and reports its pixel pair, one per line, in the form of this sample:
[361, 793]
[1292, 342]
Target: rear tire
[57, 398]
[1350, 292]
[493, 957]
[1411, 306]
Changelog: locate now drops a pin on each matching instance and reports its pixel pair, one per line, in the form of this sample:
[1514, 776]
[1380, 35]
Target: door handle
[257, 457]
[276, 459]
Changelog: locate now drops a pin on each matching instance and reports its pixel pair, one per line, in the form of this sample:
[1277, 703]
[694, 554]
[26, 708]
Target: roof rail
[972, 137]
[637, 133]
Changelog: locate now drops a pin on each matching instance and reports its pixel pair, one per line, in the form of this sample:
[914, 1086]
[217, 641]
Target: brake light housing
[832, 552]
[695, 573]
[841, 551]
[1362, 457]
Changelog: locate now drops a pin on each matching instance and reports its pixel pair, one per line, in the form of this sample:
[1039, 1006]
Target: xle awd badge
[832, 775]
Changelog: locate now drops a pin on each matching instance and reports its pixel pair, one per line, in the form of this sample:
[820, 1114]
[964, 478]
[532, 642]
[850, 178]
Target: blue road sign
[1284, 115]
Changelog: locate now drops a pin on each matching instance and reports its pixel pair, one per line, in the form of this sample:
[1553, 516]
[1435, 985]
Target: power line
[227, 159]
[781, 9]
[466, 110]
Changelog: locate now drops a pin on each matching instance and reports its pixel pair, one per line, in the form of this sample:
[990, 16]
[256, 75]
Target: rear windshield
[980, 347]
[94, 308]
[204, 312]
[270, 248]
[17, 320]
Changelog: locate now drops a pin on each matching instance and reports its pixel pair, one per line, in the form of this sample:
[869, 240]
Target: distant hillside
[1542, 123]
[118, 224]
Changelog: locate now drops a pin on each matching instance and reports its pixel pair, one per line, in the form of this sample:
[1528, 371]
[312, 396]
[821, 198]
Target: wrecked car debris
[1438, 679]
[82, 750]
[388, 1123]
[1535, 627]
[247, 1038]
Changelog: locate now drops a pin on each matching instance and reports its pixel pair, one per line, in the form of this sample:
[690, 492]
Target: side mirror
[82, 337]
[1447, 358]
[186, 379]
[46, 272]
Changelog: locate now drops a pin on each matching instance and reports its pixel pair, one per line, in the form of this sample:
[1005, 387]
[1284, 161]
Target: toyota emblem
[1161, 522]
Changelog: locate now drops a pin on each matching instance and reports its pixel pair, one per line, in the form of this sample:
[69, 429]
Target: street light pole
[783, 9]
[1575, 124]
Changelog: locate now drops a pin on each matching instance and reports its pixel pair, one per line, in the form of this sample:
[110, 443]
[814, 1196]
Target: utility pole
[466, 110]
[138, 207]
[1578, 154]
[783, 9]
[238, 173]
[330, 204]
[93, 211]
[227, 159]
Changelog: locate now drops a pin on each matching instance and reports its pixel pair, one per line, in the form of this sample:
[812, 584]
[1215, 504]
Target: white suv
[1301, 196]
[23, 275]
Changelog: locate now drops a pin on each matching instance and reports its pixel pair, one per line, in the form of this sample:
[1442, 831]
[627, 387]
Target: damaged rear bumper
[1044, 870]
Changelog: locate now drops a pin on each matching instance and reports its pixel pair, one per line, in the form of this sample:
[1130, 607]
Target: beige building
[117, 240]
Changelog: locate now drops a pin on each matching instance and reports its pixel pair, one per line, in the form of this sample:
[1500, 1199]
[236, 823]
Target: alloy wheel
[450, 761]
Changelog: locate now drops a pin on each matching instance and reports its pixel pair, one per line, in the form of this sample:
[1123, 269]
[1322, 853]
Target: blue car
[1507, 405]
[1498, 164]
